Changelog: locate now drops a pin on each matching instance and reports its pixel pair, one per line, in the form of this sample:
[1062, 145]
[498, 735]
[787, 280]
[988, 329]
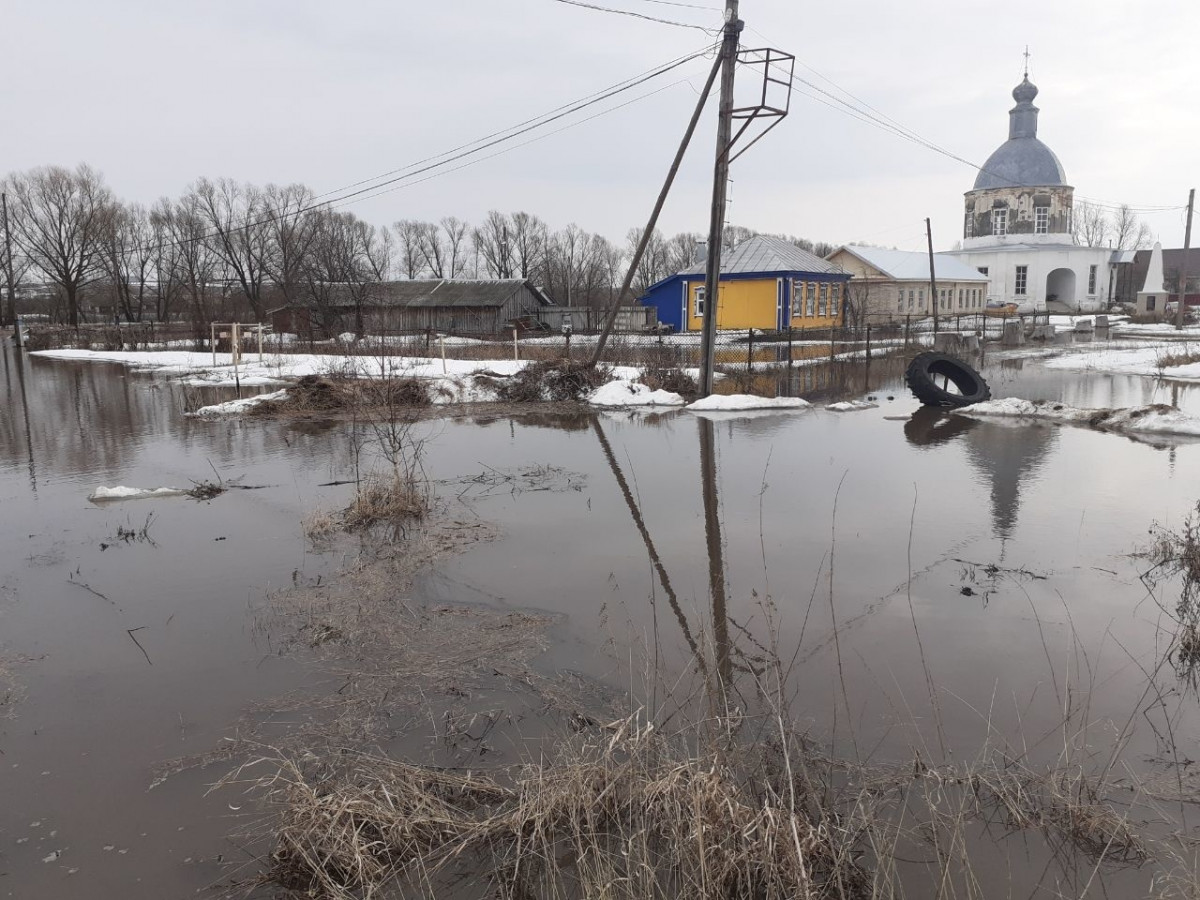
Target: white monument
[1152, 298]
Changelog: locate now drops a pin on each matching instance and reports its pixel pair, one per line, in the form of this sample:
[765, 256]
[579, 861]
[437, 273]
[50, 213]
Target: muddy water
[99, 714]
[1016, 539]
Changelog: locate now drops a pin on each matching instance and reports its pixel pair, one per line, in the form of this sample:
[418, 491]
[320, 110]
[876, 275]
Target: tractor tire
[925, 367]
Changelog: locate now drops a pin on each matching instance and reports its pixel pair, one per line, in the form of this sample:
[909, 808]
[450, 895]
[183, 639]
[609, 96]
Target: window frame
[699, 296]
[1000, 222]
[1041, 220]
[1021, 282]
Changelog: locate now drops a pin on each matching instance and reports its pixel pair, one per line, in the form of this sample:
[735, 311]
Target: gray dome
[1021, 162]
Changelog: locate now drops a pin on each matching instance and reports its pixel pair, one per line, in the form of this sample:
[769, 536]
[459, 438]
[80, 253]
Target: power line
[711, 9]
[534, 140]
[636, 15]
[448, 157]
[874, 117]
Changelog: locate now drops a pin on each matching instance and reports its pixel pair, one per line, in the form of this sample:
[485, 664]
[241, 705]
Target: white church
[1017, 227]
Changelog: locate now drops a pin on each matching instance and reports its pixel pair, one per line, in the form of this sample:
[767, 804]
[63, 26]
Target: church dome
[1022, 160]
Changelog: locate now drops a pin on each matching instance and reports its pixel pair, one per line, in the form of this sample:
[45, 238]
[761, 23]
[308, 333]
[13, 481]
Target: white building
[894, 284]
[1017, 224]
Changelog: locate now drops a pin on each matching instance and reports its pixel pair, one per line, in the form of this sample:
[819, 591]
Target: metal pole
[716, 227]
[750, 351]
[932, 276]
[8, 270]
[1183, 267]
[611, 317]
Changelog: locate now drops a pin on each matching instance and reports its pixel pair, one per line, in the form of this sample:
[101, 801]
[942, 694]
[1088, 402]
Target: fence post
[442, 341]
[516, 352]
[260, 335]
[568, 337]
[212, 341]
[868, 342]
[832, 352]
[750, 352]
[789, 345]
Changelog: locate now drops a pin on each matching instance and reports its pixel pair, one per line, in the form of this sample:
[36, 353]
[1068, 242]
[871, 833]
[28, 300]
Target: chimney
[701, 252]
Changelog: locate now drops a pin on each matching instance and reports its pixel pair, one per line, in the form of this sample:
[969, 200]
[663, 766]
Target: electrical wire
[636, 15]
[346, 196]
[533, 140]
[874, 117]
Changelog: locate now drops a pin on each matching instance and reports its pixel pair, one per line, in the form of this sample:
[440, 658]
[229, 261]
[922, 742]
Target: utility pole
[611, 318]
[11, 309]
[1183, 267]
[932, 275]
[712, 277]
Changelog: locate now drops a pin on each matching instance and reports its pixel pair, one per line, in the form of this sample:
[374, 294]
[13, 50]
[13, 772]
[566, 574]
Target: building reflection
[1008, 454]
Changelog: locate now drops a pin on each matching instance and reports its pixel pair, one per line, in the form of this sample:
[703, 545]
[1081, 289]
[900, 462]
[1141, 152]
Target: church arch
[1060, 286]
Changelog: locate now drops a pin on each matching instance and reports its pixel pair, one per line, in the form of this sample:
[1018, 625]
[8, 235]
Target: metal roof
[910, 265]
[453, 293]
[766, 254]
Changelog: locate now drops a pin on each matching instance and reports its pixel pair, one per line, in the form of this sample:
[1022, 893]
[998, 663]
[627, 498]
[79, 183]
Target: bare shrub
[550, 380]
[671, 379]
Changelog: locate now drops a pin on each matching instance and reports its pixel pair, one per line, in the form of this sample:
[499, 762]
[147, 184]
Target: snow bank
[852, 405]
[236, 407]
[1140, 361]
[631, 393]
[1154, 419]
[122, 492]
[737, 402]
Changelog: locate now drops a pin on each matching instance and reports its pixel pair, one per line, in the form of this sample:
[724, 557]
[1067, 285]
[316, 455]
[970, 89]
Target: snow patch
[121, 492]
[1153, 419]
[237, 407]
[631, 393]
[738, 402]
[852, 405]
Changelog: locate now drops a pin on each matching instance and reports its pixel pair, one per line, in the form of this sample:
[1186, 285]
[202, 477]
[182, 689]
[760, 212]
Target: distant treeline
[226, 251]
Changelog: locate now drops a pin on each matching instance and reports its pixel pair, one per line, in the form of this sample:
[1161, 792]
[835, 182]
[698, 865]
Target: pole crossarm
[775, 97]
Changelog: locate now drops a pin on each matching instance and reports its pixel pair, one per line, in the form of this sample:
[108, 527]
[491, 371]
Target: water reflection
[1008, 454]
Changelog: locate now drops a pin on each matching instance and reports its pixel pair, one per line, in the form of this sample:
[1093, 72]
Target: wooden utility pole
[932, 275]
[712, 277]
[648, 232]
[11, 309]
[1183, 266]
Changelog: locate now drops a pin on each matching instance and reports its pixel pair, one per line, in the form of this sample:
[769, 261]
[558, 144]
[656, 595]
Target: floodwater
[940, 581]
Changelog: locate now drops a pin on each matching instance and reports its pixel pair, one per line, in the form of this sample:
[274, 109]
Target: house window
[983, 270]
[999, 222]
[835, 296]
[823, 301]
[921, 299]
[969, 228]
[698, 305]
[810, 306]
[1041, 220]
[899, 299]
[910, 299]
[1092, 280]
[797, 298]
[1022, 280]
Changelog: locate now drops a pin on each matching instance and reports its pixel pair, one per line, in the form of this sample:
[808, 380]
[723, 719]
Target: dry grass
[1184, 357]
[387, 499]
[548, 381]
[674, 380]
[626, 814]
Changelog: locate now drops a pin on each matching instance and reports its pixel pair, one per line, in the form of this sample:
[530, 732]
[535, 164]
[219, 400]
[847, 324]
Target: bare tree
[191, 258]
[683, 250]
[655, 263]
[1129, 231]
[131, 250]
[338, 267]
[530, 237]
[493, 242]
[58, 219]
[238, 231]
[288, 217]
[431, 248]
[455, 233]
[1089, 224]
[408, 236]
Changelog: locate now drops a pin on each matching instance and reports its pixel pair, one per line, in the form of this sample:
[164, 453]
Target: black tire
[923, 372]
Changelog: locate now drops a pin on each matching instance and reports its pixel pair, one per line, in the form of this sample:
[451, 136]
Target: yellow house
[766, 283]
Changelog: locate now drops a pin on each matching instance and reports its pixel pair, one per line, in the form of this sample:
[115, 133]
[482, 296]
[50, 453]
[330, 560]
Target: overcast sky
[155, 93]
